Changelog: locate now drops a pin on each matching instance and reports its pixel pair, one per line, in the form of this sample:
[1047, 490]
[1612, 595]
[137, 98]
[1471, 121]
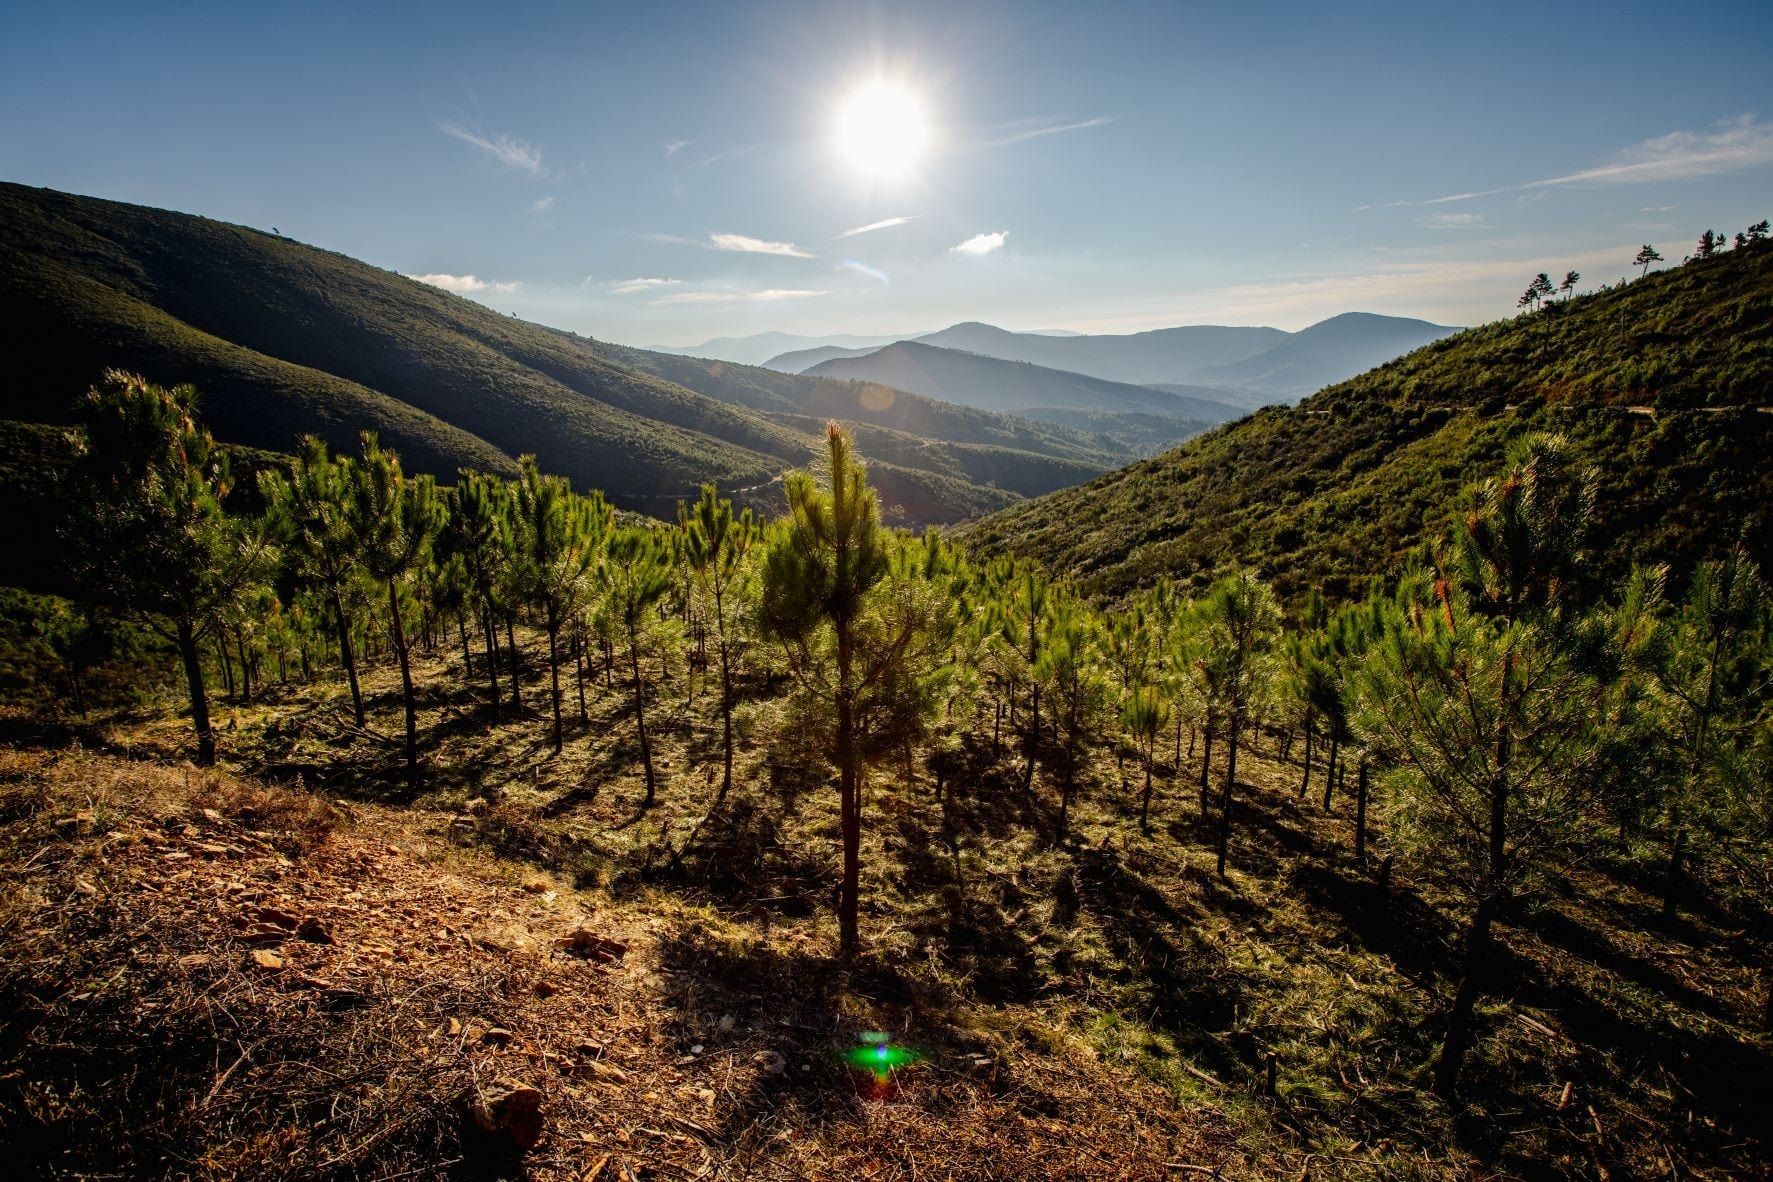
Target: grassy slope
[1345, 484]
[283, 339]
[1098, 1010]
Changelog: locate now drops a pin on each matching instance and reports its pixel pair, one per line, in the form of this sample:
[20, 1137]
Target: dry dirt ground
[297, 968]
[314, 990]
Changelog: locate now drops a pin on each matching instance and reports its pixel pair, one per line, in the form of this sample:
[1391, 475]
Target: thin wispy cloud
[510, 152]
[630, 286]
[542, 205]
[746, 244]
[670, 239]
[1737, 145]
[676, 146]
[1045, 129]
[861, 268]
[1657, 209]
[733, 297]
[466, 284]
[1453, 221]
[981, 243]
[883, 224]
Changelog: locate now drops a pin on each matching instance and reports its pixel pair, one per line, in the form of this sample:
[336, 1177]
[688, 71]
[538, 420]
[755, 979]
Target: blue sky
[1144, 164]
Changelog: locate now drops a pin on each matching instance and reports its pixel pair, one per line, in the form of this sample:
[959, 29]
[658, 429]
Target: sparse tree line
[1491, 716]
[1540, 290]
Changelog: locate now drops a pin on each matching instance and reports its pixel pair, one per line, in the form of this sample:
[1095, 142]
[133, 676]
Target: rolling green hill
[283, 339]
[1664, 385]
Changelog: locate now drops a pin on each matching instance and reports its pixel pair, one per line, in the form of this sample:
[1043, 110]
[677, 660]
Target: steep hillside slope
[1664, 385]
[283, 339]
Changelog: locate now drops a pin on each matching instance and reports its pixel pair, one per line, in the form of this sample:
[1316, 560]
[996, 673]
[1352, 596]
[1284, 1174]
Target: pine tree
[1645, 256]
[1482, 692]
[395, 519]
[309, 512]
[818, 573]
[636, 575]
[716, 544]
[1069, 669]
[148, 529]
[1240, 621]
[1714, 672]
[1144, 714]
[1568, 286]
[480, 529]
[560, 537]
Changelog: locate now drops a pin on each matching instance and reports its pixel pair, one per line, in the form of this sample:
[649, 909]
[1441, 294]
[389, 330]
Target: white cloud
[730, 297]
[629, 286]
[873, 226]
[1657, 209]
[670, 239]
[466, 284]
[981, 243]
[749, 245]
[542, 205]
[1029, 133]
[1734, 146]
[1453, 221]
[676, 146]
[507, 151]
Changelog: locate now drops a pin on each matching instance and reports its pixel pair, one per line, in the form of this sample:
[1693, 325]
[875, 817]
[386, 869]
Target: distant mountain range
[1245, 367]
[756, 349]
[1136, 417]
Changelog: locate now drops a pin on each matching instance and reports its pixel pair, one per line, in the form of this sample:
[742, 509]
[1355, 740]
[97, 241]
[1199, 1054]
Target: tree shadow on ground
[811, 1010]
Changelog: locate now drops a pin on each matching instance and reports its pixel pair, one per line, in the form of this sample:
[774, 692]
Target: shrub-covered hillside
[283, 339]
[1664, 385]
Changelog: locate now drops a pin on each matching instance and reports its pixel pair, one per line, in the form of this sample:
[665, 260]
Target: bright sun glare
[881, 131]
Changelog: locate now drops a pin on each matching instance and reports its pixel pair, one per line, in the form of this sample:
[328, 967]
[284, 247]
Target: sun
[881, 131]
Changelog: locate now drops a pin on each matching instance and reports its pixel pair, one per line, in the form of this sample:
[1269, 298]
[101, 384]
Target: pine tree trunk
[511, 653]
[467, 655]
[646, 749]
[199, 695]
[1458, 1040]
[1033, 739]
[347, 656]
[726, 718]
[1225, 797]
[221, 651]
[1305, 783]
[1360, 815]
[412, 718]
[1206, 764]
[554, 672]
[1145, 794]
[849, 936]
[245, 667]
[579, 674]
[491, 633]
[1330, 770]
